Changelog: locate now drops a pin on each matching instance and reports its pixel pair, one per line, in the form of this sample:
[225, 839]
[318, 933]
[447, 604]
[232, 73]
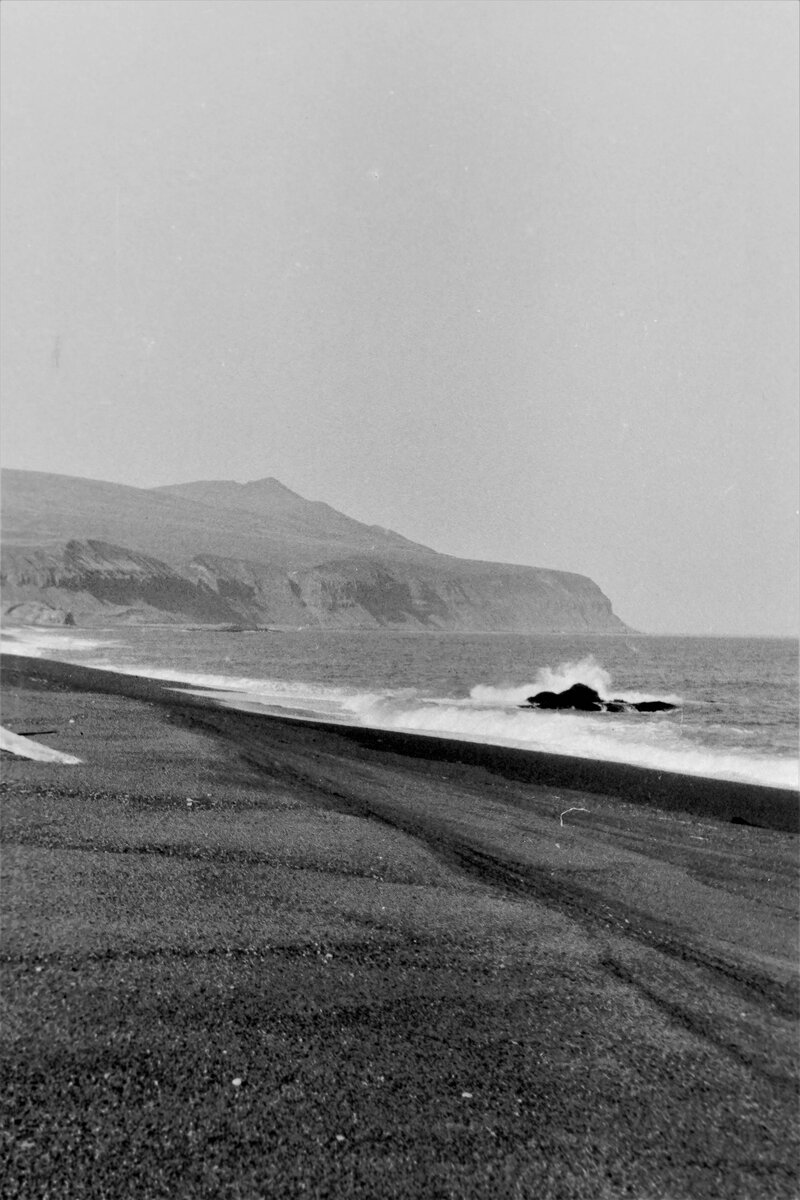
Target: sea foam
[36, 643]
[647, 740]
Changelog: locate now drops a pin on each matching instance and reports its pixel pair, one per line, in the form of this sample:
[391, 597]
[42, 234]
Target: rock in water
[579, 696]
[582, 698]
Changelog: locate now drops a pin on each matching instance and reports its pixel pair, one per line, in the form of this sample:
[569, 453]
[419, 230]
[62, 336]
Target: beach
[254, 956]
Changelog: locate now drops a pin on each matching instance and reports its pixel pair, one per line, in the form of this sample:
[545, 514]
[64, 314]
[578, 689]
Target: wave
[36, 643]
[647, 741]
[654, 742]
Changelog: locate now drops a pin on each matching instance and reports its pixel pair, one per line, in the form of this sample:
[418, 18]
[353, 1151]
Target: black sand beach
[365, 964]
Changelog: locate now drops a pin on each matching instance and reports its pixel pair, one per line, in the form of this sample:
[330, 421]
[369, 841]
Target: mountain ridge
[88, 551]
[265, 496]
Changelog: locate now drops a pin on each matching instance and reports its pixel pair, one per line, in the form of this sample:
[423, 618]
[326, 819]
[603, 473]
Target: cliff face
[311, 566]
[515, 599]
[90, 581]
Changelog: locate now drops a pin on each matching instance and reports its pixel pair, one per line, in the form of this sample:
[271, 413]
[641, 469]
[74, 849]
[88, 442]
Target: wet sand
[365, 964]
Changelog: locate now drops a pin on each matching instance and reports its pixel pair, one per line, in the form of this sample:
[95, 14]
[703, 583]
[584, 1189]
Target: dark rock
[581, 698]
[544, 700]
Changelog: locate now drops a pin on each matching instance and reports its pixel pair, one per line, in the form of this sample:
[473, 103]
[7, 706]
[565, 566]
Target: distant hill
[296, 517]
[87, 552]
[270, 524]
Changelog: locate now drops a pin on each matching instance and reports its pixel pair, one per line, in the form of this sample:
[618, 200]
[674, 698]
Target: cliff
[86, 552]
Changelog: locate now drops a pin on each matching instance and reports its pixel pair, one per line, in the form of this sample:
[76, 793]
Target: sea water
[737, 698]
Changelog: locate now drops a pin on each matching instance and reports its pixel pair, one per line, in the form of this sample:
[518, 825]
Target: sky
[518, 280]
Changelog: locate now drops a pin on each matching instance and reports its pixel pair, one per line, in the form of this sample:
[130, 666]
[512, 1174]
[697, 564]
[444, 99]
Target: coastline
[433, 967]
[725, 800]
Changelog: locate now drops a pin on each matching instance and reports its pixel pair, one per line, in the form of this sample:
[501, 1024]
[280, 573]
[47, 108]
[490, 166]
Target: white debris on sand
[24, 747]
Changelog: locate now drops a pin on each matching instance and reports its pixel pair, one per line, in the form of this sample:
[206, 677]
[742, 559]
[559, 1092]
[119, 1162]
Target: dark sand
[424, 984]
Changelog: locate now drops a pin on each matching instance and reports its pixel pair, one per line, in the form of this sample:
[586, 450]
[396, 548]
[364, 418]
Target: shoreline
[742, 803]
[254, 956]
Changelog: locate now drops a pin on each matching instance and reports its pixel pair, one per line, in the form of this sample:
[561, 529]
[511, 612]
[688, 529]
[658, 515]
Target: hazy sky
[518, 280]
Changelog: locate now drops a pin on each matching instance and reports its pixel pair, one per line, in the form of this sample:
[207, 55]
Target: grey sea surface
[736, 698]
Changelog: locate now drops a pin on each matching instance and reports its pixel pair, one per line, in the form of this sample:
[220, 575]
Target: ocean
[737, 714]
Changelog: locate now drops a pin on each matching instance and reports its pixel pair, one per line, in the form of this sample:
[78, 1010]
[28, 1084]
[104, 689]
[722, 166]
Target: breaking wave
[659, 741]
[36, 643]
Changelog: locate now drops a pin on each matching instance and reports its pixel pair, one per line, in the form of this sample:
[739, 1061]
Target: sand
[247, 956]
